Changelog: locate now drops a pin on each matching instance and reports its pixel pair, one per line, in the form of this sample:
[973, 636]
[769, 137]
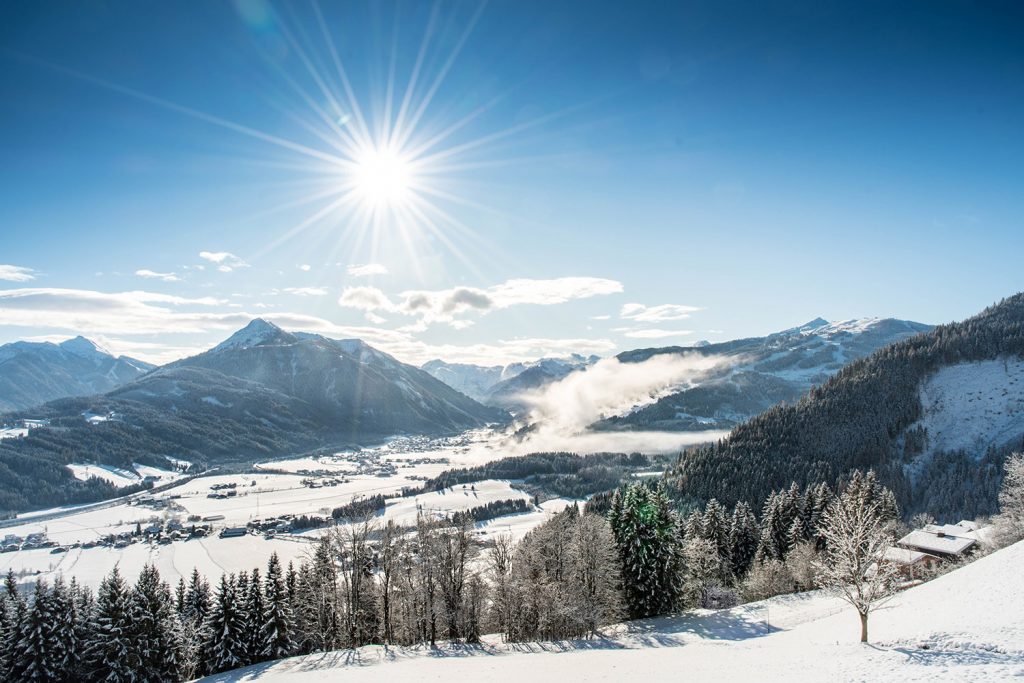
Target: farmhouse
[946, 541]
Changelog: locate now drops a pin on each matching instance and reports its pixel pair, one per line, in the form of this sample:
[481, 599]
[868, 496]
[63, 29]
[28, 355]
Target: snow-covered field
[964, 626]
[258, 496]
[13, 432]
[122, 477]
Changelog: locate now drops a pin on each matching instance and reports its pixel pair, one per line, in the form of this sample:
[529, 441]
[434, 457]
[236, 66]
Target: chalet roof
[935, 540]
[906, 556]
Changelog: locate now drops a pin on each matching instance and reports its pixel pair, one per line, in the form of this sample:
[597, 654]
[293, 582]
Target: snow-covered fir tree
[276, 630]
[225, 642]
[111, 654]
[647, 534]
[156, 628]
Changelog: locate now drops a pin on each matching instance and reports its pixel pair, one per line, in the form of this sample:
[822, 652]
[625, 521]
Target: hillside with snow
[970, 407]
[963, 626]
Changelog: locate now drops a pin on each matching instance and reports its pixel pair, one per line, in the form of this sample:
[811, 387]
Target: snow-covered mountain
[35, 372]
[764, 371]
[348, 386]
[500, 385]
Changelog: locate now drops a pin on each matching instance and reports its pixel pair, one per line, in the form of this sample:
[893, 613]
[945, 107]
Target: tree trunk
[863, 627]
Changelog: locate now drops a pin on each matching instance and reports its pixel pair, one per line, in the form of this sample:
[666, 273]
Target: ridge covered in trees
[858, 420]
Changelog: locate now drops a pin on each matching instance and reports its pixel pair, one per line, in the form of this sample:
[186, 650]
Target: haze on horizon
[490, 183]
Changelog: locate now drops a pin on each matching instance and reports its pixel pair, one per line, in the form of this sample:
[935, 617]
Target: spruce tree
[224, 646]
[35, 657]
[110, 651]
[276, 632]
[156, 628]
[647, 535]
[743, 538]
[197, 600]
[255, 611]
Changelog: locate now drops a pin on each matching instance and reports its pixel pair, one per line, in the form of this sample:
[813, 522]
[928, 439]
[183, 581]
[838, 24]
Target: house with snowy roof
[945, 541]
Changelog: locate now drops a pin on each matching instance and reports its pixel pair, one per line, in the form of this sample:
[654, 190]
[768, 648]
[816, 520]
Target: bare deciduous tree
[858, 530]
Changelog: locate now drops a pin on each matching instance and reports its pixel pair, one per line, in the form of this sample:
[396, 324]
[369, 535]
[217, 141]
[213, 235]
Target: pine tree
[84, 623]
[743, 538]
[35, 657]
[255, 610]
[647, 535]
[6, 625]
[156, 629]
[111, 654]
[276, 633]
[225, 646]
[64, 632]
[197, 600]
[179, 596]
[716, 530]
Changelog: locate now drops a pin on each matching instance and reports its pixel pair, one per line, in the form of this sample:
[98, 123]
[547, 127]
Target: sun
[382, 178]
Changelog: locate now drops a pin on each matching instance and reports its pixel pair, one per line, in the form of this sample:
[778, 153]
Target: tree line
[863, 418]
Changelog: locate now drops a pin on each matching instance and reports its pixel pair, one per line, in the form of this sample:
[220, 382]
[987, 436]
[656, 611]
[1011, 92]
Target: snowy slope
[970, 406]
[964, 626]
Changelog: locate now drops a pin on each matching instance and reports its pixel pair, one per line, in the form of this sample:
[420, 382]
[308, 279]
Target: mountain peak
[85, 348]
[813, 324]
[258, 332]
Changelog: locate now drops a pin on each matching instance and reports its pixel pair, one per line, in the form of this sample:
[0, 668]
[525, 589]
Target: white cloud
[562, 411]
[153, 275]
[656, 314]
[149, 325]
[365, 299]
[16, 273]
[77, 310]
[224, 260]
[633, 333]
[365, 269]
[601, 317]
[305, 267]
[306, 291]
[444, 305]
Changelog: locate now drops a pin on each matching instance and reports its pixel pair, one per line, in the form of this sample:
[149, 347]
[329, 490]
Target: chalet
[912, 564]
[946, 541]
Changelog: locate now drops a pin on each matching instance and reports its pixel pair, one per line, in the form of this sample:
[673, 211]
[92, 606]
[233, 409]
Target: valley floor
[964, 626]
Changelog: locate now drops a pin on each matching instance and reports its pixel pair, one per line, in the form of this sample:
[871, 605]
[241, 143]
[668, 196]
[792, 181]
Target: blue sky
[581, 176]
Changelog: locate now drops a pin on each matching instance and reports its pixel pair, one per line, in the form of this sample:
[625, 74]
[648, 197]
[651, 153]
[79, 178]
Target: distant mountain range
[764, 371]
[501, 385]
[36, 372]
[261, 393]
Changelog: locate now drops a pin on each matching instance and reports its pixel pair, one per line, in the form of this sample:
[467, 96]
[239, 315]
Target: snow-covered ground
[257, 496]
[13, 432]
[116, 476]
[122, 477]
[964, 626]
[969, 406]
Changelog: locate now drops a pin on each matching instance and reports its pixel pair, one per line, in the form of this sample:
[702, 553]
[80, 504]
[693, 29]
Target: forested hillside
[865, 417]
